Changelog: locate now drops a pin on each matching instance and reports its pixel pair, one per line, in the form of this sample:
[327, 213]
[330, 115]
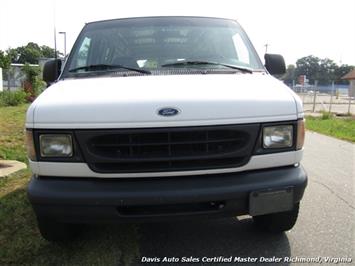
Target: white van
[159, 118]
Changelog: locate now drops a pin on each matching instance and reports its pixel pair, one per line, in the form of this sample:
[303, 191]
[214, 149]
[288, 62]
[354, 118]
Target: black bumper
[141, 199]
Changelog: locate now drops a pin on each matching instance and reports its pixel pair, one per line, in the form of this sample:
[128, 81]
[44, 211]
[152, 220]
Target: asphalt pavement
[324, 230]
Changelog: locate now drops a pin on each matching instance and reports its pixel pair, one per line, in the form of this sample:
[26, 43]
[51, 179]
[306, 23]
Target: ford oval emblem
[168, 111]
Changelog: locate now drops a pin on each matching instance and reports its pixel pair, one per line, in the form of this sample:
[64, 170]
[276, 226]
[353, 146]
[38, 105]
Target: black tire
[277, 222]
[57, 232]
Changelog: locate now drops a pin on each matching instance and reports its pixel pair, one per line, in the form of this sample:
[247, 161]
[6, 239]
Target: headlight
[56, 145]
[278, 136]
[31, 152]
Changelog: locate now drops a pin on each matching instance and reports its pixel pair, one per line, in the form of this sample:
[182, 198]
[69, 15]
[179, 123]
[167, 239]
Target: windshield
[159, 43]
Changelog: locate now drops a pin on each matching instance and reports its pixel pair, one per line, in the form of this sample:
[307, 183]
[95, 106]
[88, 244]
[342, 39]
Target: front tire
[277, 222]
[57, 232]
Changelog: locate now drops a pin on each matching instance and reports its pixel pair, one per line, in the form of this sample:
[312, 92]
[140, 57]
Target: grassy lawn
[20, 240]
[12, 142]
[341, 128]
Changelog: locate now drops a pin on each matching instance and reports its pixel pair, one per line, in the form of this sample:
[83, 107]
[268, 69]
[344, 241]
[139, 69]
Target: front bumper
[81, 200]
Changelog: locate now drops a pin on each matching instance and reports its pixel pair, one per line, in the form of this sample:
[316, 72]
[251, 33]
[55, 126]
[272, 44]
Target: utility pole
[54, 28]
[55, 43]
[315, 95]
[65, 42]
[331, 98]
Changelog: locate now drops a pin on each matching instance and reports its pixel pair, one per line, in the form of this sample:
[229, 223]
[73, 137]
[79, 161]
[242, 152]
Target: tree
[309, 66]
[30, 53]
[13, 54]
[47, 51]
[5, 63]
[5, 60]
[290, 74]
[323, 70]
[327, 69]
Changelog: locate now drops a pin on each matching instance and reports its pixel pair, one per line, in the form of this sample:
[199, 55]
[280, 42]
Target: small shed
[351, 77]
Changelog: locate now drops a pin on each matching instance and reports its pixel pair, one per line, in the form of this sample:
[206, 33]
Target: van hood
[130, 102]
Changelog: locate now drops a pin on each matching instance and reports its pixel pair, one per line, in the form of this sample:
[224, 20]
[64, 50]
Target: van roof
[157, 17]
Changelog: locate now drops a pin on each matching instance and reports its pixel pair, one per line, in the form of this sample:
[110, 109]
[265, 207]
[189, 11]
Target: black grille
[167, 149]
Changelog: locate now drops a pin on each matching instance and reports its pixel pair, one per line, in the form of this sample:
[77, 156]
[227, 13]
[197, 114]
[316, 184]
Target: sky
[293, 28]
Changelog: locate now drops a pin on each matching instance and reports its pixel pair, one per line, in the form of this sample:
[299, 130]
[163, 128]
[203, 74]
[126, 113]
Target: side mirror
[275, 64]
[51, 70]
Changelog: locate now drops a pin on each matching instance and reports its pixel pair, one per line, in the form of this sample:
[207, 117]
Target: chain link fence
[332, 98]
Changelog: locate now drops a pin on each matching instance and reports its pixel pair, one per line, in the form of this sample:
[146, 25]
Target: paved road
[325, 226]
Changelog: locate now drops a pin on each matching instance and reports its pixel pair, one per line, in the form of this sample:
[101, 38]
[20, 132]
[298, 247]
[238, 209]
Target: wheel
[277, 222]
[57, 232]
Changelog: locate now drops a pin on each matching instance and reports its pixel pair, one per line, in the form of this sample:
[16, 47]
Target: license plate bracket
[270, 201]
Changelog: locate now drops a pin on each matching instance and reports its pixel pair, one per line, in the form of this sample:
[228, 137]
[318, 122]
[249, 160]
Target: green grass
[20, 240]
[341, 128]
[12, 142]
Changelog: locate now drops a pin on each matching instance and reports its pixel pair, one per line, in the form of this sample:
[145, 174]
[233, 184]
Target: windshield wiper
[108, 67]
[188, 63]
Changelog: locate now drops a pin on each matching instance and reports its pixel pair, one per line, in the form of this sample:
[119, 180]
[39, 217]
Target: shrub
[38, 86]
[12, 98]
[33, 85]
[31, 72]
[326, 115]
